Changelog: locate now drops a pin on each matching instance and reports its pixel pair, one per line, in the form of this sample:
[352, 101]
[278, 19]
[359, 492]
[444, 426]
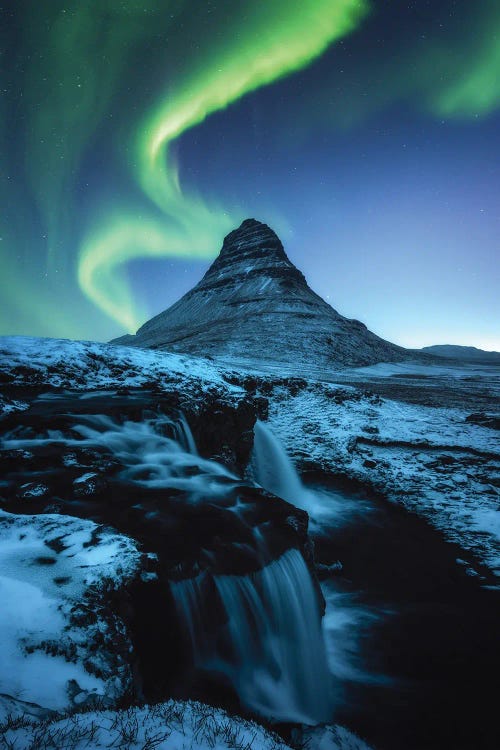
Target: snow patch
[428, 459]
[166, 726]
[48, 564]
[85, 365]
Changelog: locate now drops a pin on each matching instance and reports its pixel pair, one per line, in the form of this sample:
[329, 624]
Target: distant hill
[464, 353]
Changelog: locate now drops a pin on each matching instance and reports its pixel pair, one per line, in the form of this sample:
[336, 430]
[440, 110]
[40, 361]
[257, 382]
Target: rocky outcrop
[118, 477]
[63, 591]
[254, 305]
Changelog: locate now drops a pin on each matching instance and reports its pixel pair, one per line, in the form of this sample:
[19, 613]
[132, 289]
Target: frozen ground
[473, 387]
[62, 363]
[429, 459]
[425, 437]
[167, 726]
[53, 571]
[409, 430]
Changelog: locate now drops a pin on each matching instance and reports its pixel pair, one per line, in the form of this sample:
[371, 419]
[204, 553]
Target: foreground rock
[89, 430]
[217, 550]
[255, 305]
[63, 583]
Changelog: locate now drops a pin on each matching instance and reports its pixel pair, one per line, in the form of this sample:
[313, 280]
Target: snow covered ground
[426, 457]
[455, 371]
[54, 571]
[62, 363]
[174, 725]
[429, 459]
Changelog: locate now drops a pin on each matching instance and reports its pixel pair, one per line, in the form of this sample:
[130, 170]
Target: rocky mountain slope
[253, 304]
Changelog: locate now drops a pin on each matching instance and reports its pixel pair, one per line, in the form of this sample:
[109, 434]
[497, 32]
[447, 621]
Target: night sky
[135, 134]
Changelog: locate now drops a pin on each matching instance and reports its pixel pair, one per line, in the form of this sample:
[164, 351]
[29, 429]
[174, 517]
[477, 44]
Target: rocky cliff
[254, 305]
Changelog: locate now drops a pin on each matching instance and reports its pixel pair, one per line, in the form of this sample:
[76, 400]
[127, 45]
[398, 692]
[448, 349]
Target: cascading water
[344, 620]
[159, 452]
[271, 644]
[274, 470]
[266, 638]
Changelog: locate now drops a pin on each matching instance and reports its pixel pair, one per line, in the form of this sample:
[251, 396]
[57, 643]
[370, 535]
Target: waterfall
[270, 644]
[263, 630]
[273, 467]
[184, 436]
[158, 452]
[274, 470]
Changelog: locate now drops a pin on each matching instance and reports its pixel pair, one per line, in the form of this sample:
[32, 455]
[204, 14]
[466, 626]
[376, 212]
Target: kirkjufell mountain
[253, 304]
[183, 538]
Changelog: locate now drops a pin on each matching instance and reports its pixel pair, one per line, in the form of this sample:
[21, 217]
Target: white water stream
[271, 648]
[270, 643]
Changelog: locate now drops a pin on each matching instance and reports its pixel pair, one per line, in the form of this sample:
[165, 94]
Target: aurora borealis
[134, 135]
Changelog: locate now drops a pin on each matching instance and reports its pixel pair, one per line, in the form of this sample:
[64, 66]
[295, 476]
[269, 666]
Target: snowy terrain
[438, 460]
[164, 726]
[426, 457]
[52, 568]
[62, 363]
[429, 459]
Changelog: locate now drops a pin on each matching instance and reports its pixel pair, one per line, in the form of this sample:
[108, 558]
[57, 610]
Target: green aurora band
[79, 93]
[451, 72]
[276, 39]
[476, 92]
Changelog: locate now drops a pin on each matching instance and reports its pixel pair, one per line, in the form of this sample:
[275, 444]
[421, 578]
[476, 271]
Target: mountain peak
[249, 249]
[254, 305]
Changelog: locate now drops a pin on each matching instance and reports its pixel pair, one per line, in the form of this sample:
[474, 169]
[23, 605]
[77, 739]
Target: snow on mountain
[255, 305]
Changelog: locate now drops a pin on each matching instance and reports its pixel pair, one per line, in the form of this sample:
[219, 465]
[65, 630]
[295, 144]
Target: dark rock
[33, 490]
[261, 406]
[250, 384]
[484, 420]
[89, 485]
[326, 571]
[222, 429]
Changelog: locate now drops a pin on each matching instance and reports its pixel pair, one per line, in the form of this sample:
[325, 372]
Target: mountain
[253, 304]
[463, 353]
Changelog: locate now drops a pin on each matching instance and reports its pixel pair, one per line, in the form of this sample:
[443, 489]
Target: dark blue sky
[373, 154]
